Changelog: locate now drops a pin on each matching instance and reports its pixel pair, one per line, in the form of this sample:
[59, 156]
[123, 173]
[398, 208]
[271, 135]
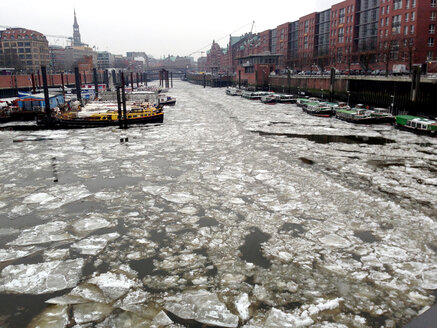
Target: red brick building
[306, 41]
[255, 69]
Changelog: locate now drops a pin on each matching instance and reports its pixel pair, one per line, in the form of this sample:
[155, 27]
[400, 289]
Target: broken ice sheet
[201, 306]
[94, 222]
[94, 244]
[53, 316]
[114, 285]
[13, 254]
[44, 233]
[41, 278]
[90, 312]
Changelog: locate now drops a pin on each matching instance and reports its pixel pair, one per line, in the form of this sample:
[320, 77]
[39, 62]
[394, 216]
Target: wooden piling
[78, 84]
[46, 94]
[123, 99]
[33, 84]
[96, 83]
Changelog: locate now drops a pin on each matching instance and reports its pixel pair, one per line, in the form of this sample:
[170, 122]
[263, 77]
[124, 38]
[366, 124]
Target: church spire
[76, 33]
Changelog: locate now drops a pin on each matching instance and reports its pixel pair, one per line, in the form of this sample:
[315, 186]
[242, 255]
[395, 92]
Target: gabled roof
[235, 39]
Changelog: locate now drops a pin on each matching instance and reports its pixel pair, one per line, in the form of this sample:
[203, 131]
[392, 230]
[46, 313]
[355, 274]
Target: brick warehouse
[351, 35]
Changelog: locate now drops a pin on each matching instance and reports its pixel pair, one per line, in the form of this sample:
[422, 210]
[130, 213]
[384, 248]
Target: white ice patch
[94, 244]
[201, 306]
[40, 278]
[38, 198]
[92, 223]
[55, 316]
[113, 285]
[90, 312]
[13, 254]
[242, 304]
[44, 233]
[334, 240]
[180, 198]
[161, 319]
[279, 319]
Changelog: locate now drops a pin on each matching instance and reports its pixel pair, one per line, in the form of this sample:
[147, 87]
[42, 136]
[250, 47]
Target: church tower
[76, 33]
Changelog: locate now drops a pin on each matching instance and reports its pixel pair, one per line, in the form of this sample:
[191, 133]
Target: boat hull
[415, 130]
[367, 120]
[325, 113]
[78, 123]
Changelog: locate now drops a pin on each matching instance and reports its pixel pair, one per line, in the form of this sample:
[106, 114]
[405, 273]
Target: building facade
[105, 60]
[23, 49]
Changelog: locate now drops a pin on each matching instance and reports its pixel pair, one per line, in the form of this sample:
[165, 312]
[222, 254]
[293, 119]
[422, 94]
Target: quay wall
[388, 92]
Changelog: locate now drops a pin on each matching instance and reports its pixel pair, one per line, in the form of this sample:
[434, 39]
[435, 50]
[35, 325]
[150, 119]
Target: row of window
[397, 4]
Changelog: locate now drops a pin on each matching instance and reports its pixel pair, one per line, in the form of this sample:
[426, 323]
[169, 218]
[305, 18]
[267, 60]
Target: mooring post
[33, 84]
[167, 80]
[84, 77]
[138, 80]
[204, 80]
[171, 79]
[120, 121]
[132, 80]
[62, 83]
[114, 78]
[415, 85]
[39, 80]
[239, 79]
[331, 84]
[288, 81]
[123, 99]
[78, 84]
[46, 95]
[106, 79]
[145, 78]
[96, 83]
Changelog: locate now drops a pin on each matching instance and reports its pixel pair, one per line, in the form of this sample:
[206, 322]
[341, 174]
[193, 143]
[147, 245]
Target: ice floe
[94, 244]
[45, 233]
[201, 306]
[41, 278]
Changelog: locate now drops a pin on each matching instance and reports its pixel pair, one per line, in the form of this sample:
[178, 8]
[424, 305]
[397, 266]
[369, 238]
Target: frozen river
[232, 214]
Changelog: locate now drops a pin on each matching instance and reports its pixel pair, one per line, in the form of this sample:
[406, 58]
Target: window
[413, 16]
[305, 42]
[382, 10]
[388, 10]
[386, 21]
[432, 17]
[413, 3]
[431, 29]
[412, 29]
[341, 15]
[406, 17]
[431, 42]
[406, 29]
[382, 22]
[433, 3]
[341, 35]
[430, 55]
[407, 4]
[397, 4]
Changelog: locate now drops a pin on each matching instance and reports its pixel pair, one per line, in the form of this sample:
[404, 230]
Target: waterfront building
[255, 69]
[57, 58]
[23, 49]
[76, 55]
[351, 35]
[105, 60]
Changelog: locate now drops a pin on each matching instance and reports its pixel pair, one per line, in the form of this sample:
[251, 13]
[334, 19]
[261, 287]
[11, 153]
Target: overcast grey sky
[157, 27]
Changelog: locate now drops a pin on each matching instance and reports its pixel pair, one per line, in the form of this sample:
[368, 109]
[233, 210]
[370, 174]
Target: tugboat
[416, 124]
[318, 109]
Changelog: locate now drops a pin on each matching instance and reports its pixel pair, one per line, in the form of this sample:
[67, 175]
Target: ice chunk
[67, 299]
[41, 278]
[133, 298]
[180, 197]
[89, 292]
[90, 312]
[44, 233]
[201, 306]
[335, 241]
[242, 304]
[92, 223]
[94, 244]
[279, 319]
[113, 285]
[13, 254]
[38, 198]
[161, 319]
[55, 316]
[430, 279]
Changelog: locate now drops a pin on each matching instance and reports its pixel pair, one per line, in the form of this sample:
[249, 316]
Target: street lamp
[348, 95]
